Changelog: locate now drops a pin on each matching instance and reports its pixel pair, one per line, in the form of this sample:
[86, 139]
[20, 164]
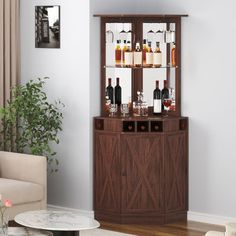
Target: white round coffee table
[60, 222]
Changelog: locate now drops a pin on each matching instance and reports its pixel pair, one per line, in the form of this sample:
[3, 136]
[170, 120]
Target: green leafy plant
[30, 124]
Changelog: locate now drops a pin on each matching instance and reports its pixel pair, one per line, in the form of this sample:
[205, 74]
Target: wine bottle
[118, 92]
[157, 56]
[110, 91]
[149, 55]
[173, 55]
[118, 53]
[165, 92]
[144, 51]
[157, 101]
[128, 55]
[137, 56]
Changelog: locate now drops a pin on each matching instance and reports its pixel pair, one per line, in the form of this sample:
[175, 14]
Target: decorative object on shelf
[47, 27]
[36, 120]
[140, 107]
[4, 205]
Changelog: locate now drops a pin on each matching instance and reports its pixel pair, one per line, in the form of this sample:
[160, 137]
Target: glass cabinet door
[158, 43]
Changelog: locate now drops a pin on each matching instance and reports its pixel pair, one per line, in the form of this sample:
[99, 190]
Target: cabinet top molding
[141, 15]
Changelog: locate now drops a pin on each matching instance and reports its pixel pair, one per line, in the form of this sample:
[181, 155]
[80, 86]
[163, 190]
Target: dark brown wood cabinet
[141, 163]
[141, 176]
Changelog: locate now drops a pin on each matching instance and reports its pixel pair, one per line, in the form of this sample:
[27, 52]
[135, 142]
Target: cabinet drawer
[128, 126]
[156, 126]
[142, 126]
[99, 124]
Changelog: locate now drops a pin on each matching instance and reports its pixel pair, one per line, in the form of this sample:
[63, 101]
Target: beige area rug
[102, 232]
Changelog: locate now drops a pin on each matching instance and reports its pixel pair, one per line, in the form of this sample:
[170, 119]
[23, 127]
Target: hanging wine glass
[123, 34]
[150, 34]
[129, 32]
[109, 34]
[159, 34]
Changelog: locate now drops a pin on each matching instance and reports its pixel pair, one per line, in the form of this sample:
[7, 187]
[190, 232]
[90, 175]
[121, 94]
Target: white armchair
[23, 180]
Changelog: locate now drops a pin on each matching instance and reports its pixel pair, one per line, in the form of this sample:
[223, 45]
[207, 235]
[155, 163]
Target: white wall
[208, 84]
[208, 57]
[68, 69]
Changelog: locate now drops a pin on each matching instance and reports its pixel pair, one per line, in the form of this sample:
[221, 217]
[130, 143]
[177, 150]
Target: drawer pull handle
[130, 127]
[156, 127]
[142, 127]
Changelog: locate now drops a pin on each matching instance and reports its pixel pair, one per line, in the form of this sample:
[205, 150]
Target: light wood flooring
[189, 228]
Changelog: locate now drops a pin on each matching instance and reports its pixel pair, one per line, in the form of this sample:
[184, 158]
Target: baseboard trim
[210, 219]
[89, 214]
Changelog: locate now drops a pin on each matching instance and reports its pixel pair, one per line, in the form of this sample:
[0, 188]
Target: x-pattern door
[142, 166]
[175, 172]
[107, 172]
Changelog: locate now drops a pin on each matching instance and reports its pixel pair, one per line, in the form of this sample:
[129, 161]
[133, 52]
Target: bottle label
[128, 58]
[157, 105]
[137, 58]
[157, 59]
[149, 58]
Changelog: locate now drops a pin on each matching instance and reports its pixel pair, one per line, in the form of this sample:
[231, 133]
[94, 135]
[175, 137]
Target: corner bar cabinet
[141, 163]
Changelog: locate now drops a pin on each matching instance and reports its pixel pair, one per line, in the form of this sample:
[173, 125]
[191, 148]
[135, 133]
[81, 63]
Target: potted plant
[30, 123]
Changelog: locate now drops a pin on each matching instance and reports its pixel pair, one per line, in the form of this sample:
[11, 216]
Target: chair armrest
[23, 167]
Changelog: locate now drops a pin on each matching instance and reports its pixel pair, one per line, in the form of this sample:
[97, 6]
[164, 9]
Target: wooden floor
[177, 229]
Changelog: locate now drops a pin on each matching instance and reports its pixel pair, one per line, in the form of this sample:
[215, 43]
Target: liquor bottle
[173, 55]
[157, 102]
[157, 56]
[109, 90]
[149, 55]
[118, 92]
[128, 55]
[165, 92]
[137, 56]
[144, 51]
[118, 53]
[123, 52]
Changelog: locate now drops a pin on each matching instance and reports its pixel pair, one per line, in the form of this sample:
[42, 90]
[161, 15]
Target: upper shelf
[141, 67]
[141, 15]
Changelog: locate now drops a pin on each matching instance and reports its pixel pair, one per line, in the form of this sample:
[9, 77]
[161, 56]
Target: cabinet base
[141, 218]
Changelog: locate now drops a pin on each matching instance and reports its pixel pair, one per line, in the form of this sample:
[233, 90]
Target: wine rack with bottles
[141, 139]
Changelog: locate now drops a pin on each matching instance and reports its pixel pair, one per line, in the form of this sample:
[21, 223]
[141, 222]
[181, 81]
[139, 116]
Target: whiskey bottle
[118, 53]
[173, 55]
[157, 102]
[149, 55]
[144, 51]
[123, 52]
[157, 56]
[137, 56]
[118, 92]
[109, 91]
[128, 55]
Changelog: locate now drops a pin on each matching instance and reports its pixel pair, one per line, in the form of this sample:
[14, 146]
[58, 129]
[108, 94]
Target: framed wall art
[47, 27]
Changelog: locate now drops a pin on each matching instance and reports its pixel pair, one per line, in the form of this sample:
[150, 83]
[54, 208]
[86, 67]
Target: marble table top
[56, 220]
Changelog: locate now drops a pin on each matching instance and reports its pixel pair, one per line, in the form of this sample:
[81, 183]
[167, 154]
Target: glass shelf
[141, 67]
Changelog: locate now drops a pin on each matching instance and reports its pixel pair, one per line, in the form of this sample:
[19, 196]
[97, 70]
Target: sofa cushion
[20, 192]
